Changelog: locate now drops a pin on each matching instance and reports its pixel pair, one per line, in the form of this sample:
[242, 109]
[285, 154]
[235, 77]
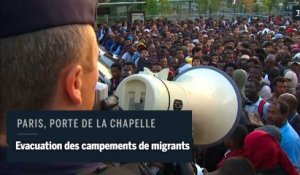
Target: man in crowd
[256, 106]
[293, 116]
[116, 69]
[128, 69]
[279, 87]
[285, 58]
[255, 72]
[156, 67]
[144, 60]
[290, 143]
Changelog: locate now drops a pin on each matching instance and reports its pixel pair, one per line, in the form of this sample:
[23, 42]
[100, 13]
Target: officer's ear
[73, 84]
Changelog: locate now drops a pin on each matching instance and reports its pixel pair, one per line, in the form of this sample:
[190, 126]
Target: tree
[165, 7]
[269, 4]
[208, 5]
[249, 5]
[203, 5]
[216, 5]
[151, 7]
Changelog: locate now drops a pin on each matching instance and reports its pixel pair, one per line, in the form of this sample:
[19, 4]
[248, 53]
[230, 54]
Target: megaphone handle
[186, 168]
[177, 105]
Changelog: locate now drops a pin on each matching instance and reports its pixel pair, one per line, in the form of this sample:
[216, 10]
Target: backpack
[261, 108]
[257, 120]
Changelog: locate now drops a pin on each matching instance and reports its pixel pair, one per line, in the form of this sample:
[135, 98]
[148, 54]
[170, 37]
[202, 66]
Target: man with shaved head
[293, 116]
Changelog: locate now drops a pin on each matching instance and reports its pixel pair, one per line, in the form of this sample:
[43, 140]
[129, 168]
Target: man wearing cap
[49, 58]
[278, 41]
[277, 36]
[137, 54]
[290, 31]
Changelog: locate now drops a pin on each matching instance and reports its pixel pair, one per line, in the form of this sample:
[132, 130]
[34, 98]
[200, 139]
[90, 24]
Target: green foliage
[203, 5]
[229, 3]
[208, 5]
[165, 7]
[151, 7]
[216, 5]
[268, 5]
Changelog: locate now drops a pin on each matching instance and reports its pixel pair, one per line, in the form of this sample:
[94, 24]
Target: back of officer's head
[41, 43]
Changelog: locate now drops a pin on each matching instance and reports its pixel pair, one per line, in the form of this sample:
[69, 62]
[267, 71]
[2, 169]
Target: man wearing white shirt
[255, 104]
[255, 72]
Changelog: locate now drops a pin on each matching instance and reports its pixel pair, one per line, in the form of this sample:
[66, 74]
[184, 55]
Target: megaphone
[210, 93]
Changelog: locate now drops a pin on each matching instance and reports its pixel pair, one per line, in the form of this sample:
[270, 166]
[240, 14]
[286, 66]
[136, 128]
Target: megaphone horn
[210, 93]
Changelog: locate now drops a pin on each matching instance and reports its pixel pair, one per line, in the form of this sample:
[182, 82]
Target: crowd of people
[262, 55]
[49, 56]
